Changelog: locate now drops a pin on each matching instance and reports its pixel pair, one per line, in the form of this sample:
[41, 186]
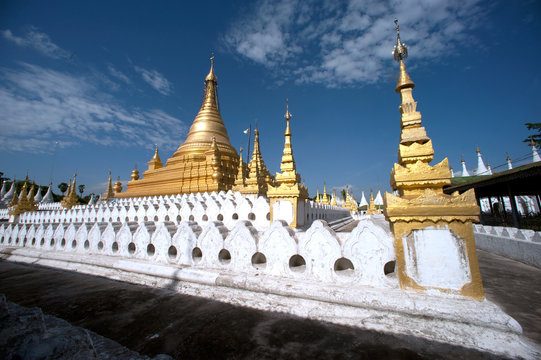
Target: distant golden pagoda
[325, 200]
[24, 202]
[431, 229]
[205, 162]
[70, 199]
[259, 178]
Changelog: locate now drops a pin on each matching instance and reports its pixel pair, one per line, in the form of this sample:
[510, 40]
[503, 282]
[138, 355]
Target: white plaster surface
[436, 258]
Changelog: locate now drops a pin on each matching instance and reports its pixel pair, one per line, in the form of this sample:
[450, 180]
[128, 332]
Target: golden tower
[24, 202]
[71, 197]
[206, 161]
[287, 199]
[259, 178]
[109, 193]
[325, 200]
[433, 231]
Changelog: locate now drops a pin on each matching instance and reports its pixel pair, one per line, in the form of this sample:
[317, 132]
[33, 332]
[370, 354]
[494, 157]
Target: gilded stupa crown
[400, 53]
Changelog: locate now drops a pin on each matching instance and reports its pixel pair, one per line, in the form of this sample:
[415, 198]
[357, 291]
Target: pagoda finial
[211, 76]
[400, 50]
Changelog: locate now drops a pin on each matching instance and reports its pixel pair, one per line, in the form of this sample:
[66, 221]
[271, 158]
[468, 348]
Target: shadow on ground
[156, 321]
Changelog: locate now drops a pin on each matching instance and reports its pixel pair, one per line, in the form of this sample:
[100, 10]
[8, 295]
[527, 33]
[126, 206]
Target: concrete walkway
[153, 321]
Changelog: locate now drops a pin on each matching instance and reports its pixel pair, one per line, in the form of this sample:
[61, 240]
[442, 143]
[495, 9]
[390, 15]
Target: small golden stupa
[205, 162]
[288, 196]
[431, 229]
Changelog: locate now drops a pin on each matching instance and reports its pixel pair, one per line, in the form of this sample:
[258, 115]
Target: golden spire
[477, 149]
[135, 173]
[155, 162]
[71, 198]
[325, 198]
[334, 203]
[241, 175]
[109, 192]
[287, 166]
[259, 177]
[317, 195]
[400, 53]
[207, 124]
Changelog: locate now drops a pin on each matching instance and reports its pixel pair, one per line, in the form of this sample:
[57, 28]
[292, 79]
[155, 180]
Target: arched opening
[297, 263]
[197, 255]
[191, 218]
[42, 242]
[259, 260]
[136, 219]
[73, 244]
[127, 219]
[251, 216]
[156, 218]
[33, 241]
[179, 219]
[268, 216]
[224, 256]
[114, 247]
[205, 218]
[166, 218]
[344, 267]
[235, 216]
[100, 245]
[145, 219]
[172, 252]
[51, 243]
[151, 250]
[63, 242]
[131, 248]
[86, 244]
[220, 217]
[389, 267]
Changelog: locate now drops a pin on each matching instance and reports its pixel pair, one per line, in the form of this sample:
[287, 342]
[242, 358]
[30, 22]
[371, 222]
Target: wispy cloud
[38, 41]
[344, 42]
[41, 106]
[118, 74]
[155, 79]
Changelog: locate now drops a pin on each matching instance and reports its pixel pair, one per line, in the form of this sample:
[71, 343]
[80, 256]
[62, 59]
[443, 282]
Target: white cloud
[38, 41]
[155, 79]
[41, 106]
[118, 74]
[346, 42]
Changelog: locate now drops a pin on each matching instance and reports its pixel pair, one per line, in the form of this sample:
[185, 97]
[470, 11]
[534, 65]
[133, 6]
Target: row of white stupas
[7, 195]
[487, 170]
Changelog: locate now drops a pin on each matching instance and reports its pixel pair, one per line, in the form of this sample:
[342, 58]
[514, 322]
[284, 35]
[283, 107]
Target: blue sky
[107, 80]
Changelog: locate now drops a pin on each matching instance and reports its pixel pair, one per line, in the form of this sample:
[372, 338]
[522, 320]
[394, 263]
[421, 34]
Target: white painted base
[444, 318]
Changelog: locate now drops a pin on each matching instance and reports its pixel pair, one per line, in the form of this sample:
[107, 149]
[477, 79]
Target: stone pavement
[153, 321]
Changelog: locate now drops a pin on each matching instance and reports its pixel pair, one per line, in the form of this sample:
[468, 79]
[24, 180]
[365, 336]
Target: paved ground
[153, 321]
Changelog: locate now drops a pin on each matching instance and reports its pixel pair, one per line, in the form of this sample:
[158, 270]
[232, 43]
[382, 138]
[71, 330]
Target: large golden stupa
[205, 162]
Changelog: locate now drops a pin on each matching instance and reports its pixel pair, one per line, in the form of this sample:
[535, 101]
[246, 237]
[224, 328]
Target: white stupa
[509, 164]
[4, 190]
[379, 199]
[38, 196]
[363, 200]
[481, 168]
[10, 194]
[464, 170]
[535, 154]
[48, 198]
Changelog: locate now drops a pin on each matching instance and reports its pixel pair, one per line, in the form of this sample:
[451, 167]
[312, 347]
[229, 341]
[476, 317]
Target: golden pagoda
[288, 197]
[24, 202]
[325, 199]
[109, 193]
[71, 197]
[259, 178]
[371, 208]
[431, 229]
[205, 162]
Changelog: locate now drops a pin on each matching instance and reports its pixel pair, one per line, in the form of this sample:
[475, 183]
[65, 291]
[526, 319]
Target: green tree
[63, 187]
[343, 194]
[81, 189]
[536, 127]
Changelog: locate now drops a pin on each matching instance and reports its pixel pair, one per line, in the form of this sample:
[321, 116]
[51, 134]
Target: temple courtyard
[155, 321]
